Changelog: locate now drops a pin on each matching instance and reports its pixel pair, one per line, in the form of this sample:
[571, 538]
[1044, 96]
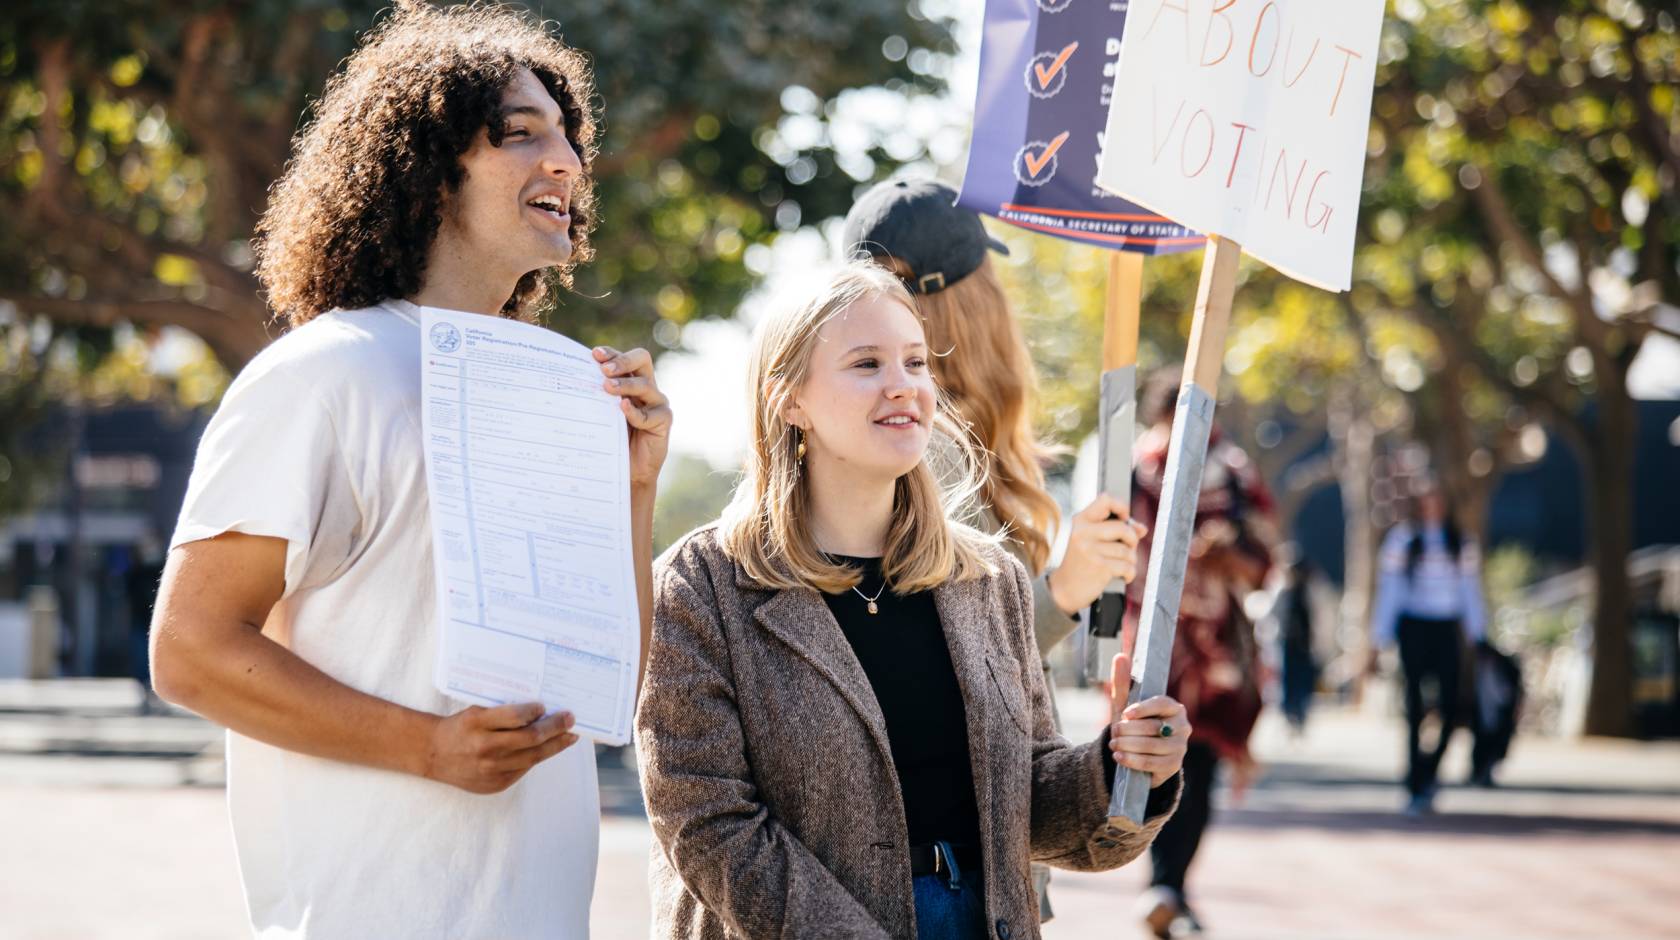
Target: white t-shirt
[318, 442]
[1441, 587]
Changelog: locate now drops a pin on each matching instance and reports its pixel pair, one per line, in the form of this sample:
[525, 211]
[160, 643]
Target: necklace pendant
[873, 609]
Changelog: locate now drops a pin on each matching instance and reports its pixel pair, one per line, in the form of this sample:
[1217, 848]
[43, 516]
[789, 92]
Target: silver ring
[1166, 730]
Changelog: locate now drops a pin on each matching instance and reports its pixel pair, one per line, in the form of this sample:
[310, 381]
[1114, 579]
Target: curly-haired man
[447, 166]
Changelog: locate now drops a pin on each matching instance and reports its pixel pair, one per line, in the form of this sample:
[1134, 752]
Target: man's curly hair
[351, 220]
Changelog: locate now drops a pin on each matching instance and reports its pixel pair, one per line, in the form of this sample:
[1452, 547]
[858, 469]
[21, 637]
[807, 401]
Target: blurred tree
[48, 377]
[1520, 241]
[24, 399]
[1297, 358]
[1523, 203]
[138, 140]
[691, 494]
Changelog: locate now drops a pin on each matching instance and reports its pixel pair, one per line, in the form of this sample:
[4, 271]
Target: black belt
[927, 860]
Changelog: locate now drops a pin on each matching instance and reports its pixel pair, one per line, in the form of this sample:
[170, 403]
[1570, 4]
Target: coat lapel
[802, 620]
[963, 615]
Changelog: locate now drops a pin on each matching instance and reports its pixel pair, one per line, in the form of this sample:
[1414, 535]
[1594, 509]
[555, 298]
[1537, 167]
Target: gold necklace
[873, 607]
[871, 600]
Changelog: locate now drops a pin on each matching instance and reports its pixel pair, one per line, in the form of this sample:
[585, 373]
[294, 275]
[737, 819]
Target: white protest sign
[1248, 119]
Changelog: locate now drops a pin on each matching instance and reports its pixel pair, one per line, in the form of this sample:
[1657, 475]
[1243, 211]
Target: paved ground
[113, 825]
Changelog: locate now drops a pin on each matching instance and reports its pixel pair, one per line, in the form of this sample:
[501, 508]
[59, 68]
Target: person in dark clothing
[1298, 670]
[1498, 702]
[1429, 602]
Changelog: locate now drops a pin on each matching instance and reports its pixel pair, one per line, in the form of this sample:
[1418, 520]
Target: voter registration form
[528, 467]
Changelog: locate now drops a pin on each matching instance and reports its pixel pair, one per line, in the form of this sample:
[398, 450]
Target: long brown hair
[982, 363]
[351, 221]
[766, 529]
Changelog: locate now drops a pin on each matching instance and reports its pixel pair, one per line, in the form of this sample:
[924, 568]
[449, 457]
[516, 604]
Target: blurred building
[96, 536]
[1539, 505]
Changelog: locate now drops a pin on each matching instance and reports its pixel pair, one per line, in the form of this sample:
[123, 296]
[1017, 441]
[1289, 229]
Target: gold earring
[799, 452]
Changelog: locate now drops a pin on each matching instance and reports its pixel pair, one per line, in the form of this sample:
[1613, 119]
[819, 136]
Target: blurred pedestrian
[915, 229]
[1297, 665]
[1215, 669]
[1429, 603]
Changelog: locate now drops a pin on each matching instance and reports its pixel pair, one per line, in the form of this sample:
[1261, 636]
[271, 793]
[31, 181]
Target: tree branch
[1647, 321]
[54, 76]
[1495, 210]
[1647, 327]
[65, 210]
[290, 56]
[1544, 395]
[196, 39]
[1663, 139]
[1491, 203]
[235, 341]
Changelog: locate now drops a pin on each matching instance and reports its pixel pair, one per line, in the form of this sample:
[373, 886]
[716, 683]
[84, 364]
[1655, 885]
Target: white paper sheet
[528, 467]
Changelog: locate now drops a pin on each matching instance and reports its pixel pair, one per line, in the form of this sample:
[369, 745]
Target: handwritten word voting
[1249, 119]
[527, 460]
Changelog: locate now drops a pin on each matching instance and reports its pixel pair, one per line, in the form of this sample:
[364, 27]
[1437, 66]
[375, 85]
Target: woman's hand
[1135, 734]
[1102, 546]
[648, 411]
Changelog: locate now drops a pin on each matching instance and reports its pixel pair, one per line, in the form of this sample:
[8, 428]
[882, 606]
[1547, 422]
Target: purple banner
[1046, 79]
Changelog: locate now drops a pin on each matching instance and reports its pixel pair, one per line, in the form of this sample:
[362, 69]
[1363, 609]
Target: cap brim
[996, 245]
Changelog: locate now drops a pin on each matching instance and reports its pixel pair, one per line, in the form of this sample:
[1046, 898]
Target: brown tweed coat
[770, 783]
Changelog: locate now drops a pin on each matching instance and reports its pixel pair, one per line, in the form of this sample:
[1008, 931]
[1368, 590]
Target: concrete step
[165, 736]
[84, 696]
[90, 732]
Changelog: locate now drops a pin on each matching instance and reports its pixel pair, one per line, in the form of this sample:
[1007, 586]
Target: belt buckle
[938, 853]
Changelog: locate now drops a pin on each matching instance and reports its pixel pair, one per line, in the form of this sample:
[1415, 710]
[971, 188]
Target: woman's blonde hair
[766, 527]
[982, 364]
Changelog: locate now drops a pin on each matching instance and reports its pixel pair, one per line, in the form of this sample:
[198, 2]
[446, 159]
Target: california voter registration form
[527, 461]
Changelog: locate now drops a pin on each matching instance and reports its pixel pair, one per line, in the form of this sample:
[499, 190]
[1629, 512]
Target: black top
[902, 650]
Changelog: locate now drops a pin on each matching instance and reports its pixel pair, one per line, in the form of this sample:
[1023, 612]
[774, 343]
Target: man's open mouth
[553, 205]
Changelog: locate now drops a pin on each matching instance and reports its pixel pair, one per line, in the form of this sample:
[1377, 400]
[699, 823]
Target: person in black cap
[940, 251]
[931, 242]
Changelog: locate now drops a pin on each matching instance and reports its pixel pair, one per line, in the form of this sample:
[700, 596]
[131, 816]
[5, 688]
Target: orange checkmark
[1046, 74]
[1036, 164]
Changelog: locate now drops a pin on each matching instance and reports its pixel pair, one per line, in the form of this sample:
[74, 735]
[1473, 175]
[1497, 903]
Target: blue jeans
[950, 906]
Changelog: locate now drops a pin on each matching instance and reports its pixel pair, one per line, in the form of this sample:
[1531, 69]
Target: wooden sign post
[1247, 121]
[1186, 452]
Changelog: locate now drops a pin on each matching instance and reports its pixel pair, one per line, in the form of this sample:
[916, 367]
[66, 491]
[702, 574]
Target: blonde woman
[844, 730]
[983, 366]
[915, 228]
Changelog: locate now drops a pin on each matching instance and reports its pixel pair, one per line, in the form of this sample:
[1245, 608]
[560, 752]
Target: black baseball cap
[919, 223]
